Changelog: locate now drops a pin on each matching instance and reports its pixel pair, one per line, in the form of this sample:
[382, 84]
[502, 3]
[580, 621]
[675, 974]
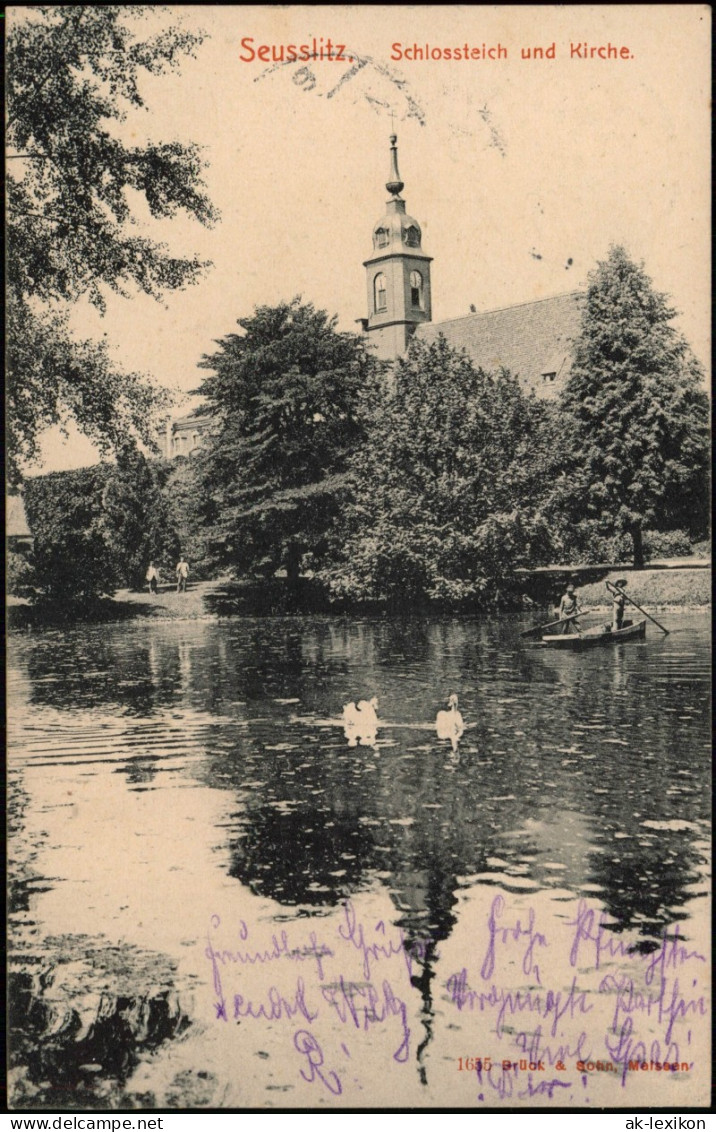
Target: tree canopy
[634, 417]
[441, 490]
[73, 71]
[287, 399]
[98, 528]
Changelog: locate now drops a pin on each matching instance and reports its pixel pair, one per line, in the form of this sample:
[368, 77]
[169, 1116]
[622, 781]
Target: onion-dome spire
[394, 185]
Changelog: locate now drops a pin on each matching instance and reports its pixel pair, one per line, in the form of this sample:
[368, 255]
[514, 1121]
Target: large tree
[137, 516]
[442, 491]
[286, 395]
[634, 413]
[73, 71]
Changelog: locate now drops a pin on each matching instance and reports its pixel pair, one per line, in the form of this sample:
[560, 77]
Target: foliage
[634, 449]
[97, 528]
[187, 511]
[667, 544]
[19, 574]
[52, 377]
[589, 546]
[136, 516]
[72, 185]
[64, 512]
[286, 395]
[701, 549]
[441, 491]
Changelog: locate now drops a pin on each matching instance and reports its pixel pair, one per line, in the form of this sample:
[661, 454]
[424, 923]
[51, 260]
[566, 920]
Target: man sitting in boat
[618, 603]
[568, 611]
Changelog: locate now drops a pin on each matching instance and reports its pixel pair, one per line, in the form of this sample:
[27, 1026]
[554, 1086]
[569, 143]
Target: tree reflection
[562, 760]
[309, 856]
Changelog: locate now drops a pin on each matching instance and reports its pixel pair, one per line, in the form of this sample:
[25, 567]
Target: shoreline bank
[655, 589]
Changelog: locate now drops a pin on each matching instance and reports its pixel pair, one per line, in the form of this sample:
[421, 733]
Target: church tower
[397, 274]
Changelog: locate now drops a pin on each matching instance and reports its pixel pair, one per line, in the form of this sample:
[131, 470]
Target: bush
[65, 514]
[586, 546]
[667, 544]
[98, 528]
[184, 507]
[702, 549]
[19, 574]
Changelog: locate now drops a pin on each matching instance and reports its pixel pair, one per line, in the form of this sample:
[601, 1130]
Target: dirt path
[169, 604]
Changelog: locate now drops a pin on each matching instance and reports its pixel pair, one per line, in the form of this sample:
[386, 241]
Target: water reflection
[574, 773]
[604, 736]
[360, 723]
[450, 724]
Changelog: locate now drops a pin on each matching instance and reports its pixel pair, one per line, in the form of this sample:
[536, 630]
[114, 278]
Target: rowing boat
[601, 634]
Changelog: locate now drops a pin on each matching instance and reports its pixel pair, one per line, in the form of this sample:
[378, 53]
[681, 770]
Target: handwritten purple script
[502, 934]
[549, 1007]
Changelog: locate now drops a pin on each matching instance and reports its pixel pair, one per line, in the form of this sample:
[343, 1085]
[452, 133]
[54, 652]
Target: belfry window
[416, 289]
[379, 293]
[381, 237]
[412, 237]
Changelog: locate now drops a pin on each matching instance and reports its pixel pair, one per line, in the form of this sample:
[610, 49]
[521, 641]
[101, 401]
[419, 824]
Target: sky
[521, 171]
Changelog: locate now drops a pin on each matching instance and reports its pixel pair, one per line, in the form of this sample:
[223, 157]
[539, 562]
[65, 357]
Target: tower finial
[394, 185]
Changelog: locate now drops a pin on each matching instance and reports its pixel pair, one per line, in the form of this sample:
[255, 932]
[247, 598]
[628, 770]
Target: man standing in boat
[618, 603]
[569, 610]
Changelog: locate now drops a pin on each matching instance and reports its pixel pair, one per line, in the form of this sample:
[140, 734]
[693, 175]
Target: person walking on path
[182, 575]
[152, 578]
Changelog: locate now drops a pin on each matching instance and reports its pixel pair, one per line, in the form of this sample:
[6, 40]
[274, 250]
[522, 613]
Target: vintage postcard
[351, 856]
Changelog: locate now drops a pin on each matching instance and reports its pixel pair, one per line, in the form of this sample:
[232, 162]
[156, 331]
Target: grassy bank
[653, 589]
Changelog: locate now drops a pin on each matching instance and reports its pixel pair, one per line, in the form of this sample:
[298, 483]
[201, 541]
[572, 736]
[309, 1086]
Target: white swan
[351, 715]
[368, 713]
[449, 724]
[361, 723]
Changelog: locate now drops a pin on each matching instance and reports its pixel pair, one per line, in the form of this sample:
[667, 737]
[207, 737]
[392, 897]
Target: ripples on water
[156, 767]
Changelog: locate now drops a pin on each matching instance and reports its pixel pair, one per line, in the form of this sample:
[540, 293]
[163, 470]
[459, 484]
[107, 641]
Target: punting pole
[611, 586]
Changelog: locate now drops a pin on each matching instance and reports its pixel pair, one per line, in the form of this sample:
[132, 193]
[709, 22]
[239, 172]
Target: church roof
[531, 340]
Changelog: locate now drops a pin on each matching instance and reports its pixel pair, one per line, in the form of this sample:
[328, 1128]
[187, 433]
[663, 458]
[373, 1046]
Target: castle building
[532, 340]
[185, 435]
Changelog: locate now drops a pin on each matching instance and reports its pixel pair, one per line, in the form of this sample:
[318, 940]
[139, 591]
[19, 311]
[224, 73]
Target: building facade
[18, 535]
[185, 435]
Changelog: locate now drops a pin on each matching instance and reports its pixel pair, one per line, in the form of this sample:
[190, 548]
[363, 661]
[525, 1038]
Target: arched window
[381, 237]
[412, 236]
[416, 289]
[379, 293]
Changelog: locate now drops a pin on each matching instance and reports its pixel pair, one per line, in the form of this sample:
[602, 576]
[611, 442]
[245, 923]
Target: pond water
[217, 899]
